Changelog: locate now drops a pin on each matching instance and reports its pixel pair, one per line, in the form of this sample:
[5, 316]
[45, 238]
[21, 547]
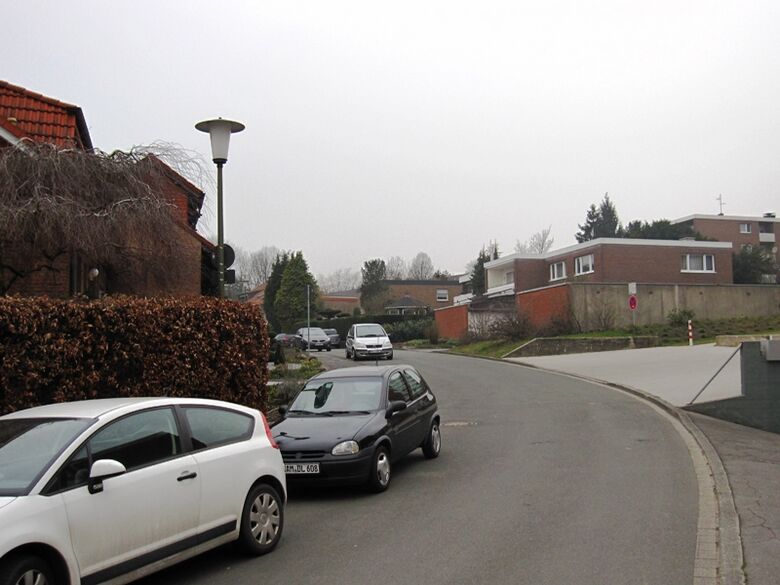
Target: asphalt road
[542, 479]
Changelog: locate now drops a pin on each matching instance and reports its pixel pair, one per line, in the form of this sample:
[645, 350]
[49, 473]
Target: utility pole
[308, 319]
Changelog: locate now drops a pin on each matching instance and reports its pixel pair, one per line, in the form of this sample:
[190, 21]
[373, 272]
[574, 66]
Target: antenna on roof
[719, 199]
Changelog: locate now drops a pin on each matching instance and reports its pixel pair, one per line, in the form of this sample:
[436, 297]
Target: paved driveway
[675, 374]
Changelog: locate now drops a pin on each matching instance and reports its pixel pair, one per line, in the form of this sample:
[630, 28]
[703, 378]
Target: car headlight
[345, 448]
[360, 345]
[387, 345]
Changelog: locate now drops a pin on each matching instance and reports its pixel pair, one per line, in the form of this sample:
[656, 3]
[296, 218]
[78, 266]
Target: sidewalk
[751, 457]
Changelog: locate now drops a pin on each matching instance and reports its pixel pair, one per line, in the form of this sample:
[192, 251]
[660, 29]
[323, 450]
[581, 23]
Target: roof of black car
[361, 371]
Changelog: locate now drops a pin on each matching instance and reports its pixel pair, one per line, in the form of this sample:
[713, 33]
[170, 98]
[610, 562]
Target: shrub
[511, 325]
[57, 351]
[679, 317]
[406, 330]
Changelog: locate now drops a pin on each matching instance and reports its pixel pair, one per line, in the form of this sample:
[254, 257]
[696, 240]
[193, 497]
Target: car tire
[18, 569]
[381, 470]
[262, 520]
[432, 445]
[390, 356]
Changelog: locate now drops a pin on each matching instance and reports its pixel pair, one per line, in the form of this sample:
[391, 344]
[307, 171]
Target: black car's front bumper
[334, 469]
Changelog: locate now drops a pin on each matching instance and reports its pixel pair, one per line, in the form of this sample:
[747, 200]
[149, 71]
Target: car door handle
[185, 475]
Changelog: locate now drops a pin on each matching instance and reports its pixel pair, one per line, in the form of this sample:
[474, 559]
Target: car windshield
[313, 331]
[369, 331]
[28, 446]
[338, 395]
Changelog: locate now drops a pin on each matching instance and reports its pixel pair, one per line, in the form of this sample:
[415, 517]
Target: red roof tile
[43, 118]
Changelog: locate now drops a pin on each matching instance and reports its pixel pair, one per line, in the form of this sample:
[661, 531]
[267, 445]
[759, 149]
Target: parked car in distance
[350, 425]
[335, 338]
[287, 339]
[368, 340]
[119, 488]
[318, 338]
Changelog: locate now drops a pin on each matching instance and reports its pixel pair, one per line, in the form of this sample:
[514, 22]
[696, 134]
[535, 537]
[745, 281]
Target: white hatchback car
[112, 490]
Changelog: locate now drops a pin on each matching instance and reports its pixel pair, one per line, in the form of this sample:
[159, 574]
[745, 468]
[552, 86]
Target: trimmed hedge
[343, 324]
[58, 351]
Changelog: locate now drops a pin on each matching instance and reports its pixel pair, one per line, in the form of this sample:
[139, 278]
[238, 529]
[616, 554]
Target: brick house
[613, 260]
[756, 231]
[433, 294]
[26, 115]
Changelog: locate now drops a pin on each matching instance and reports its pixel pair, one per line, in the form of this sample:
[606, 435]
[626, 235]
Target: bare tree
[539, 243]
[396, 268]
[259, 264]
[421, 267]
[339, 280]
[109, 210]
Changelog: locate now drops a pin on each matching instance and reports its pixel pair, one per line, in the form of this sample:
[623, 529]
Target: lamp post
[220, 130]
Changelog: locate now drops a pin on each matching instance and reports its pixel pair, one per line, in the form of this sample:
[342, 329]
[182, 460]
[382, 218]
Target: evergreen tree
[291, 301]
[751, 264]
[600, 222]
[608, 225]
[478, 274]
[272, 287]
[586, 230]
[373, 291]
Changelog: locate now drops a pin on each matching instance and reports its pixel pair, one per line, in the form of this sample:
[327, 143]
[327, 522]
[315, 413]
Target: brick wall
[727, 230]
[531, 274]
[452, 322]
[54, 283]
[544, 306]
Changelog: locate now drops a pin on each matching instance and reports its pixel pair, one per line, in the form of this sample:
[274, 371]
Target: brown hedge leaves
[57, 351]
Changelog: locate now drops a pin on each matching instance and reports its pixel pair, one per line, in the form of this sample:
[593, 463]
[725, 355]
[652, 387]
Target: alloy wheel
[32, 577]
[264, 518]
[383, 469]
[436, 438]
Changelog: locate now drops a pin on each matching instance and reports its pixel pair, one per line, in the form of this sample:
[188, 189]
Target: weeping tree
[109, 211]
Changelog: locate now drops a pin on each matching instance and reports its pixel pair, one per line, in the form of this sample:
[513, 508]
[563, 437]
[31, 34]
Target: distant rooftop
[763, 217]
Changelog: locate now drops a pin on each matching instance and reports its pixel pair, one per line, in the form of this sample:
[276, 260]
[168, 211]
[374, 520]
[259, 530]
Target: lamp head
[219, 130]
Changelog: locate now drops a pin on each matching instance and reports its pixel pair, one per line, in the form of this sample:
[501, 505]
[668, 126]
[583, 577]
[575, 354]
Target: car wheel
[432, 445]
[390, 356]
[25, 570]
[379, 479]
[262, 520]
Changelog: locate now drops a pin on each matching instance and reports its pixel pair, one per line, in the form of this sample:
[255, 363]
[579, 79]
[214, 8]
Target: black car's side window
[139, 439]
[416, 385]
[217, 426]
[396, 388]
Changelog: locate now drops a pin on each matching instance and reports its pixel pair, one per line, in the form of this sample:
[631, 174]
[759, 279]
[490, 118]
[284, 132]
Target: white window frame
[554, 273]
[686, 263]
[509, 277]
[745, 228]
[442, 292]
[578, 265]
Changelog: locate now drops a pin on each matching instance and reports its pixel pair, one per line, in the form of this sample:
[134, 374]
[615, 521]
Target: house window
[509, 277]
[745, 228]
[557, 271]
[442, 294]
[584, 265]
[697, 263]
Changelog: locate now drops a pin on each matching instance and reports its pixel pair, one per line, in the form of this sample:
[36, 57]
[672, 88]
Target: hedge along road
[542, 479]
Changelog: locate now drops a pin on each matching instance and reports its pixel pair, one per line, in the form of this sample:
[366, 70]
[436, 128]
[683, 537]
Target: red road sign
[632, 302]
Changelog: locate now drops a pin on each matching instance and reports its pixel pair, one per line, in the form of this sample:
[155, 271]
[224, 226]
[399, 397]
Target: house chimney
[769, 214]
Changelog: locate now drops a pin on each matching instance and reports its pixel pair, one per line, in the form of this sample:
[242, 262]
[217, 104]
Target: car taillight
[268, 432]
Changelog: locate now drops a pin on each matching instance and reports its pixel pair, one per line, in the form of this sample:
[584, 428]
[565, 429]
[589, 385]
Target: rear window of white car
[216, 426]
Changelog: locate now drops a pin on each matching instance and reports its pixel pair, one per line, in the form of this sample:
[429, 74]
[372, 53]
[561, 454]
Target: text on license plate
[302, 468]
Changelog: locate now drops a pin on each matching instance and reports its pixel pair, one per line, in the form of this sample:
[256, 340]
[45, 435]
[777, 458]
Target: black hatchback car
[349, 426]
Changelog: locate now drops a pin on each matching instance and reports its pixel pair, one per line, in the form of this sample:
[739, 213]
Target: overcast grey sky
[380, 129]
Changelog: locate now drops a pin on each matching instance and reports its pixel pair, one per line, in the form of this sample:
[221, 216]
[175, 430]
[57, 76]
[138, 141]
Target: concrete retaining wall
[759, 405]
[558, 345]
[605, 306]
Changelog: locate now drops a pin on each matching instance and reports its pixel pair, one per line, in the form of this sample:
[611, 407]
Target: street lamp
[220, 131]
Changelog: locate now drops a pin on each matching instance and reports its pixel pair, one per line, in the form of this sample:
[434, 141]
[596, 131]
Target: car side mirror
[283, 409]
[103, 469]
[395, 406]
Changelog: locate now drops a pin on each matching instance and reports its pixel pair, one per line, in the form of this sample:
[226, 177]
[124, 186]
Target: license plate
[302, 468]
